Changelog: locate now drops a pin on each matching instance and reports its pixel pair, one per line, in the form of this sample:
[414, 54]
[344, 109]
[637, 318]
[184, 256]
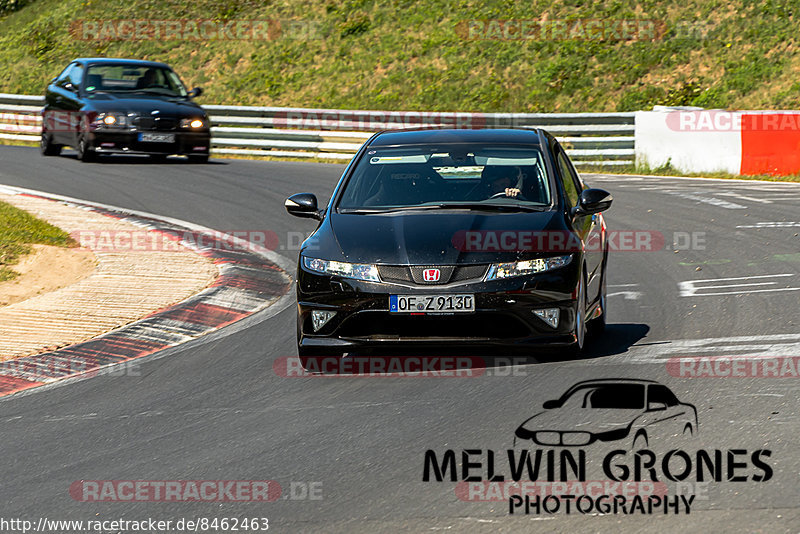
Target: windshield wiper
[487, 206]
[155, 92]
[445, 205]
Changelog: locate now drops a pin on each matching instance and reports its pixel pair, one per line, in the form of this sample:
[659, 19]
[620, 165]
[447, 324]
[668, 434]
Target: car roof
[605, 381]
[428, 136]
[118, 61]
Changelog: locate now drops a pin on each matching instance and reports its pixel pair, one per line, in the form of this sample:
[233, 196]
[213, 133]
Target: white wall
[690, 140]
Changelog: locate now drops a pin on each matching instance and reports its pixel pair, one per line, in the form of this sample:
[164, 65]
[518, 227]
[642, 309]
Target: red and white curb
[251, 279]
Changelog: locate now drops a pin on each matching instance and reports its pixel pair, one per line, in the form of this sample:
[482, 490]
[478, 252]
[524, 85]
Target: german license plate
[431, 303]
[156, 138]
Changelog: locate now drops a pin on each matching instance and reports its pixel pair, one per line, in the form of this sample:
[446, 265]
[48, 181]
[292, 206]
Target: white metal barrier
[605, 139]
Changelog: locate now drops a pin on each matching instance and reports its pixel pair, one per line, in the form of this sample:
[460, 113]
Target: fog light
[320, 317]
[109, 120]
[548, 315]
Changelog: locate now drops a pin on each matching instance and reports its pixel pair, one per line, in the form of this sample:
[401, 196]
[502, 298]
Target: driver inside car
[147, 80]
[507, 180]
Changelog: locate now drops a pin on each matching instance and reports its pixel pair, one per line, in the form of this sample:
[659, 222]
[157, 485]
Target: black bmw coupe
[123, 106]
[442, 238]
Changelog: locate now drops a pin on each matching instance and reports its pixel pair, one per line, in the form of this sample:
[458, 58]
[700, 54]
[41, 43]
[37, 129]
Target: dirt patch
[46, 269]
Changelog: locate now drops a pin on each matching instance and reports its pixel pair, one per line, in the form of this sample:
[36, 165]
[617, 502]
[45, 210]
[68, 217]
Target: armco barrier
[605, 139]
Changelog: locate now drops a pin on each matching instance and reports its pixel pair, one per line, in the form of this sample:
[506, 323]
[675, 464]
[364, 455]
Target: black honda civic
[123, 106]
[444, 238]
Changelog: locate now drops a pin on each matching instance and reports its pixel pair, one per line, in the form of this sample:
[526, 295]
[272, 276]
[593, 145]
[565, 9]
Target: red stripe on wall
[771, 143]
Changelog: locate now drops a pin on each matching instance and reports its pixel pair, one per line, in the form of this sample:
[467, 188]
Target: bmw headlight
[192, 123]
[358, 271]
[499, 271]
[111, 120]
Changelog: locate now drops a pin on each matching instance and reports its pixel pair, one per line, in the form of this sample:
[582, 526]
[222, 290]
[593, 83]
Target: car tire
[85, 152]
[49, 148]
[199, 159]
[580, 329]
[596, 326]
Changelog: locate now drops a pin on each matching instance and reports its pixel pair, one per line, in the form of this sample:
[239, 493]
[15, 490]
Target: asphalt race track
[218, 411]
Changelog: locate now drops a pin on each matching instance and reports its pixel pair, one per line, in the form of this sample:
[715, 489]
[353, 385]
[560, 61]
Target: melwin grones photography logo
[608, 446]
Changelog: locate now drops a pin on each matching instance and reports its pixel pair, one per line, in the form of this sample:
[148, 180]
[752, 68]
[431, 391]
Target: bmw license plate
[431, 303]
[156, 138]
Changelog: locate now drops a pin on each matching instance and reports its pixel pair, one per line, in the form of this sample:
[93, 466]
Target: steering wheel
[519, 196]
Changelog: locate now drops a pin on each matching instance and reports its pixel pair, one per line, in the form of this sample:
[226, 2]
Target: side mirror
[549, 405]
[303, 205]
[593, 201]
[194, 93]
[656, 406]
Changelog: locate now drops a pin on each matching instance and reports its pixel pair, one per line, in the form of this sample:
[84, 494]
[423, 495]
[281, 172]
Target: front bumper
[503, 314]
[127, 142]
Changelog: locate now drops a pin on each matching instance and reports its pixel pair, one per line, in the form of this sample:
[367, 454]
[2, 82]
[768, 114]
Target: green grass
[404, 55]
[18, 230]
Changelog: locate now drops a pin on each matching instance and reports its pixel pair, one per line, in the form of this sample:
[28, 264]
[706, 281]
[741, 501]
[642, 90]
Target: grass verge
[433, 55]
[18, 231]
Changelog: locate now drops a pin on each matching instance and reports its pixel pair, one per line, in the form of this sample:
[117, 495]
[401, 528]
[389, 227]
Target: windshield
[607, 396]
[447, 176]
[143, 79]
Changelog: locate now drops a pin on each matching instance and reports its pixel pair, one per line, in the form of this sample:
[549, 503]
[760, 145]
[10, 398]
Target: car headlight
[499, 271]
[358, 271]
[111, 120]
[192, 123]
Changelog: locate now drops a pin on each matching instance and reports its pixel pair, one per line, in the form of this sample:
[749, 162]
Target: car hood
[592, 420]
[424, 238]
[145, 105]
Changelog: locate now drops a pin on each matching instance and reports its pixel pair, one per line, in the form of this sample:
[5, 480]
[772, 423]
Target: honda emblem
[431, 275]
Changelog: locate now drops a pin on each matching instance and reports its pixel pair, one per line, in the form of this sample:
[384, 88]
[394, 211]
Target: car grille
[378, 325]
[449, 273]
[155, 124]
[555, 438]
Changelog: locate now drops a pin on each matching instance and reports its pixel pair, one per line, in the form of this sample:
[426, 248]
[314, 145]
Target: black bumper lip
[461, 344]
[127, 142]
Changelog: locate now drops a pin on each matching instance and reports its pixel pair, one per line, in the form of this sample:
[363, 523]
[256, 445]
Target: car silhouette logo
[431, 275]
[608, 410]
